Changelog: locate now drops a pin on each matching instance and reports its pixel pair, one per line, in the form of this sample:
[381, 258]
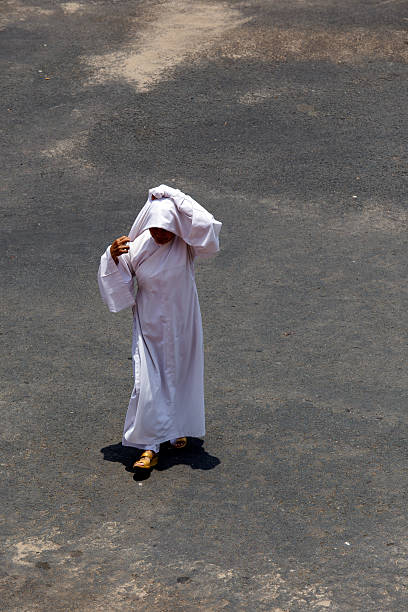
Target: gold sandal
[147, 460]
[180, 443]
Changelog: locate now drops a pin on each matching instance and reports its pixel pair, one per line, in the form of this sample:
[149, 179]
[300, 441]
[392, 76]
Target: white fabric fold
[177, 212]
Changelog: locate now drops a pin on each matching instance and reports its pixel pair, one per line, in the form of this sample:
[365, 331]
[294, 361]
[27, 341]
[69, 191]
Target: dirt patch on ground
[350, 46]
[179, 30]
[181, 33]
[64, 569]
[69, 8]
[70, 153]
[13, 11]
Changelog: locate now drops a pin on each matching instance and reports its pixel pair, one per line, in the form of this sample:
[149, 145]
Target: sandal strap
[180, 442]
[143, 460]
[149, 454]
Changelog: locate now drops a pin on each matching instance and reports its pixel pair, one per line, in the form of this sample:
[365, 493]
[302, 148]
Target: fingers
[122, 239]
[119, 247]
[120, 242]
[156, 193]
[118, 250]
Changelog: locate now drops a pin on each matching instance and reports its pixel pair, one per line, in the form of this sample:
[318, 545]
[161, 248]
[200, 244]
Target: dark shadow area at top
[193, 455]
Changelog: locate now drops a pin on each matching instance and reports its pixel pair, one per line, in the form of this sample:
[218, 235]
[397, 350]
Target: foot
[179, 442]
[147, 460]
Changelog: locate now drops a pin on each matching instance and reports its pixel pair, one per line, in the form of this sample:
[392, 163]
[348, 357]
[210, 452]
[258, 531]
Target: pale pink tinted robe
[167, 400]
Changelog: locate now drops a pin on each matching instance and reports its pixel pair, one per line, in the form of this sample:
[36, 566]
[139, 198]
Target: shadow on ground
[193, 455]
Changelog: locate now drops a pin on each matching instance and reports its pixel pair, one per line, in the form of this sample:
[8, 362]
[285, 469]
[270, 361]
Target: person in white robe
[167, 401]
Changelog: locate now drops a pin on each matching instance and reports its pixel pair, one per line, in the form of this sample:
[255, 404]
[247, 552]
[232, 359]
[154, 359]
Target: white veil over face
[178, 213]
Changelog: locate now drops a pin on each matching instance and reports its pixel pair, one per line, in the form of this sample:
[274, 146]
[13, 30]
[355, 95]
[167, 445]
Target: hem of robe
[161, 441]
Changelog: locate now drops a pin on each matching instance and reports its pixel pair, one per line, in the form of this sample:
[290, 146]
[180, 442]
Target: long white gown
[167, 400]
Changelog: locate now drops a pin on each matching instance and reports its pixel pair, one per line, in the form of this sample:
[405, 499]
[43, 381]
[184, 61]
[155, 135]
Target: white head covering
[178, 213]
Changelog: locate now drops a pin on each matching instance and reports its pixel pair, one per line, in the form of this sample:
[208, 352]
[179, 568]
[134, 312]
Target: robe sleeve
[204, 230]
[116, 282]
[199, 229]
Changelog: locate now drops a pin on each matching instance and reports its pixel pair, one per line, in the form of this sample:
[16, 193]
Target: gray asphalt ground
[287, 120]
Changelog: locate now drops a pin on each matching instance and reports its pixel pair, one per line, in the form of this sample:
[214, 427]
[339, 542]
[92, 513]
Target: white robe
[167, 400]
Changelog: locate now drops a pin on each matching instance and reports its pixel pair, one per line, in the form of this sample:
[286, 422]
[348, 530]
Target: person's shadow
[193, 455]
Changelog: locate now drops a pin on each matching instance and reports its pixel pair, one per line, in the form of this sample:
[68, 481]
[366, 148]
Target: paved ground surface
[287, 119]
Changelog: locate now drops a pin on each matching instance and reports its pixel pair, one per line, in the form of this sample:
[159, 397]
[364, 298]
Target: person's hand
[118, 247]
[163, 191]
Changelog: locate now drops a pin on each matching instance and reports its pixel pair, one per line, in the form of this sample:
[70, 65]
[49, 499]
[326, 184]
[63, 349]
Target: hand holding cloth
[172, 210]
